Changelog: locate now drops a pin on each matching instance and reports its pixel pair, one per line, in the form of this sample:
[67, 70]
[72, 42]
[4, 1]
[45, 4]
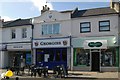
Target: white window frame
[24, 32]
[47, 32]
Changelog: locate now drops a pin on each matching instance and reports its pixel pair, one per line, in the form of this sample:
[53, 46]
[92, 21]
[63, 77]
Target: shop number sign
[95, 44]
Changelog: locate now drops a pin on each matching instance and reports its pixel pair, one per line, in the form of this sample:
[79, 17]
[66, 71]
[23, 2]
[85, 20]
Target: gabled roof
[18, 22]
[93, 12]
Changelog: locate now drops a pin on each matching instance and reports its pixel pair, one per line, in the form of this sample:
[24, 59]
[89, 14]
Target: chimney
[45, 8]
[115, 4]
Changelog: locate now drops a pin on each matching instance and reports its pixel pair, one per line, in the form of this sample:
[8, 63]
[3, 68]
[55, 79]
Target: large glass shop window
[81, 57]
[109, 57]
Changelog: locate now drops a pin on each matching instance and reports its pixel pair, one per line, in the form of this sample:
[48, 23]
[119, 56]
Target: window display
[82, 57]
[108, 57]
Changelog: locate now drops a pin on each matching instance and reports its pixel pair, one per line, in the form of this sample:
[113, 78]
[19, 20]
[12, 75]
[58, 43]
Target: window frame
[13, 33]
[104, 26]
[24, 33]
[52, 28]
[85, 27]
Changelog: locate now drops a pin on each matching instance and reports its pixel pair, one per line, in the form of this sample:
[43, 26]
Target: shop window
[40, 57]
[109, 57]
[64, 55]
[58, 55]
[52, 55]
[81, 57]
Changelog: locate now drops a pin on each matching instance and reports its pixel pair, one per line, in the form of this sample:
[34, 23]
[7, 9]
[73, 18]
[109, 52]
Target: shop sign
[95, 44]
[51, 43]
[18, 47]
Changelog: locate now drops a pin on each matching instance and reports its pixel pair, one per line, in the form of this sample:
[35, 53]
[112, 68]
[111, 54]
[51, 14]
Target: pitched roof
[93, 12]
[18, 22]
[67, 11]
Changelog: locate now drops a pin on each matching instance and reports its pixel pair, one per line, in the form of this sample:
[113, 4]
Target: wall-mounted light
[114, 40]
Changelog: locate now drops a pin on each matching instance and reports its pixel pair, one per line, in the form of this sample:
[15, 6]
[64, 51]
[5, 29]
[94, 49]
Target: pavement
[73, 75]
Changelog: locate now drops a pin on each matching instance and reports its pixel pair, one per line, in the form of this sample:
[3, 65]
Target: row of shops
[88, 54]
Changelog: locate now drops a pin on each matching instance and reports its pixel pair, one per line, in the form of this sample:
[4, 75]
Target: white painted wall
[95, 26]
[7, 34]
[0, 31]
[3, 59]
[62, 18]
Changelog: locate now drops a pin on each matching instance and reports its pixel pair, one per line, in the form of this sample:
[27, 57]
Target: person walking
[22, 64]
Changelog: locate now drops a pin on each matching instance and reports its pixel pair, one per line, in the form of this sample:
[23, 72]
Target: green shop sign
[95, 44]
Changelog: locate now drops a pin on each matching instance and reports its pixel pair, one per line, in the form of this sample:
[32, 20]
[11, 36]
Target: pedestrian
[22, 64]
[14, 61]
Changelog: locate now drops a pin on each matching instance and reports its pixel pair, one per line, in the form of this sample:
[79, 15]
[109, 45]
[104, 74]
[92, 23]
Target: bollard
[17, 78]
[7, 78]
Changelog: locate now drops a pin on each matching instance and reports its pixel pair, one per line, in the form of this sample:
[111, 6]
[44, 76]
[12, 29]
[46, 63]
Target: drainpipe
[70, 52]
[32, 53]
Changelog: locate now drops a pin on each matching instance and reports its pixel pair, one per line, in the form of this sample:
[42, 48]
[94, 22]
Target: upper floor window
[24, 32]
[104, 25]
[13, 33]
[85, 27]
[51, 29]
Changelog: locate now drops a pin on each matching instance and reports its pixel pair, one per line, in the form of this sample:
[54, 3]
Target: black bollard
[17, 78]
[7, 78]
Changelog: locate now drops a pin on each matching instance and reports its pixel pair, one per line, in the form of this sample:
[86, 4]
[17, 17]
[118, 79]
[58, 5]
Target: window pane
[13, 32]
[44, 29]
[52, 56]
[85, 29]
[82, 57]
[40, 57]
[64, 55]
[24, 33]
[108, 57]
[104, 28]
[56, 28]
[49, 29]
[85, 25]
[106, 23]
[57, 55]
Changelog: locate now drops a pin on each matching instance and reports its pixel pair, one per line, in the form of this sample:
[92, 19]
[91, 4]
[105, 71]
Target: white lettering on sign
[50, 43]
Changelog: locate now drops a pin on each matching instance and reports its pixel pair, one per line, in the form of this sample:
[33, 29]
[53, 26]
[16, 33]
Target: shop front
[52, 52]
[19, 51]
[95, 54]
[3, 57]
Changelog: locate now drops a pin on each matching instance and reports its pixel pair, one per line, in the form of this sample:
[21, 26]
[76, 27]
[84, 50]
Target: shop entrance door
[95, 63]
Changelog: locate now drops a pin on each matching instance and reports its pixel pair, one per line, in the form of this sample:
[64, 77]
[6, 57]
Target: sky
[11, 10]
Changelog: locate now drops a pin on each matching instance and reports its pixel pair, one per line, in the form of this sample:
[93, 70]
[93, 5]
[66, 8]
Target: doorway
[95, 61]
